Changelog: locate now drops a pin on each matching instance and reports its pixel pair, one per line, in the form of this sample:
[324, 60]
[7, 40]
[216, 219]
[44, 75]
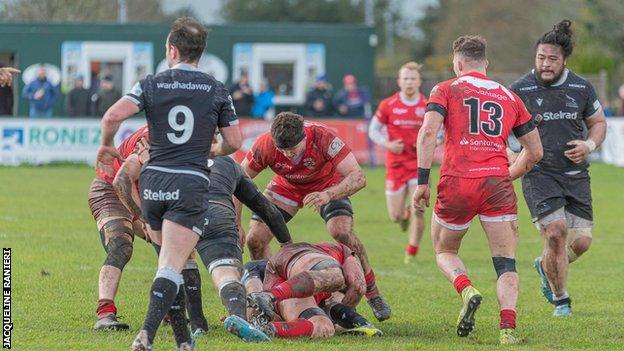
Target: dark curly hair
[287, 130]
[560, 35]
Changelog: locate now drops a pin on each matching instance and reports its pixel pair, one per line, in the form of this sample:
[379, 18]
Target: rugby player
[183, 107]
[299, 279]
[313, 168]
[478, 114]
[395, 127]
[119, 220]
[571, 124]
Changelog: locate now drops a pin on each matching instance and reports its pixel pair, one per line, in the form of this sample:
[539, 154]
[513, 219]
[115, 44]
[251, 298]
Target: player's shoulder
[442, 86]
[390, 100]
[575, 82]
[526, 83]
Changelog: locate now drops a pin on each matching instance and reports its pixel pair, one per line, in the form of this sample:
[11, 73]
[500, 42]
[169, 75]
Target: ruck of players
[172, 184]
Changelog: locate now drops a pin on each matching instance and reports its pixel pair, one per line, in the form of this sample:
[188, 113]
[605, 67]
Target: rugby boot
[367, 329]
[187, 346]
[110, 322]
[244, 330]
[263, 304]
[407, 259]
[141, 342]
[198, 332]
[380, 307]
[508, 337]
[544, 284]
[471, 301]
[563, 308]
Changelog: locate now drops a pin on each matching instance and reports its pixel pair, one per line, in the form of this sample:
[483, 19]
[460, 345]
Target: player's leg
[259, 236]
[503, 240]
[116, 235]
[399, 213]
[302, 318]
[416, 228]
[554, 260]
[347, 319]
[338, 216]
[579, 214]
[193, 293]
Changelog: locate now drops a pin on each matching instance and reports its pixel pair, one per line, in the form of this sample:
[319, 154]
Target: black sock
[162, 294]
[178, 319]
[192, 287]
[157, 248]
[233, 298]
[346, 316]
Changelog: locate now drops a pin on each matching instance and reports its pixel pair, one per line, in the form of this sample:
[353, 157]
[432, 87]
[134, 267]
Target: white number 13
[186, 127]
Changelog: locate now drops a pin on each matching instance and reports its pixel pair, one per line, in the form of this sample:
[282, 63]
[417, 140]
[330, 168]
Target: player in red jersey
[478, 115]
[305, 289]
[114, 203]
[313, 168]
[395, 127]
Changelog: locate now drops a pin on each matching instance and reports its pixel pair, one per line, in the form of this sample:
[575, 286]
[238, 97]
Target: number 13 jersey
[183, 106]
[479, 114]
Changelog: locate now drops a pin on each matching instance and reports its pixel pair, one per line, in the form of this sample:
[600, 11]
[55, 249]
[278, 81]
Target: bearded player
[395, 127]
[313, 168]
[478, 115]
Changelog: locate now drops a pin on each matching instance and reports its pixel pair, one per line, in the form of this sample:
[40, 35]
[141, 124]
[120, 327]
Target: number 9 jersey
[183, 106]
[479, 114]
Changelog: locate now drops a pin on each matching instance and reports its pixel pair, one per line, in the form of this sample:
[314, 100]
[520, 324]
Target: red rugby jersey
[125, 149]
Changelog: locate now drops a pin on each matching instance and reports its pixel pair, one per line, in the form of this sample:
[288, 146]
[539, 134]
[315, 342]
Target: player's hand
[6, 75]
[579, 152]
[395, 146]
[511, 156]
[142, 150]
[420, 199]
[105, 157]
[316, 200]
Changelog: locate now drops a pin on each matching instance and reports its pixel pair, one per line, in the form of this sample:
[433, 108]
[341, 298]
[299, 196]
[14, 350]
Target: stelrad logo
[161, 195]
[554, 116]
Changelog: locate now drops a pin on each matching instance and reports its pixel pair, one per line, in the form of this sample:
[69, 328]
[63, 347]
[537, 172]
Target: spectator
[6, 96]
[606, 107]
[620, 107]
[319, 99]
[263, 102]
[242, 96]
[77, 101]
[352, 101]
[41, 94]
[105, 97]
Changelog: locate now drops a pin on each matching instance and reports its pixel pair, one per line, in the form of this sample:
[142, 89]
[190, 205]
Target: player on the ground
[119, 221]
[183, 107]
[288, 294]
[571, 124]
[478, 114]
[395, 127]
[313, 168]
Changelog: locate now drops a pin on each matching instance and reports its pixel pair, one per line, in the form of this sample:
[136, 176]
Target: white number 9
[186, 127]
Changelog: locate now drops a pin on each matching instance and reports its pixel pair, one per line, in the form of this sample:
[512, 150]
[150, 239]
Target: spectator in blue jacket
[263, 102]
[41, 94]
[352, 100]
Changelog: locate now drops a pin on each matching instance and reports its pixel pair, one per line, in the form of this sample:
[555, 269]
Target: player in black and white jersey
[571, 124]
[183, 107]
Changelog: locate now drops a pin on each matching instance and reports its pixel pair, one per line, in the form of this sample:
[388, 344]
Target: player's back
[225, 175]
[479, 116]
[183, 106]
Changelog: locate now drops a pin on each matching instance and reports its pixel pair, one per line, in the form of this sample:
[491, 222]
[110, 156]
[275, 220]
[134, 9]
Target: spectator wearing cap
[263, 102]
[352, 101]
[77, 101]
[41, 94]
[106, 96]
[319, 99]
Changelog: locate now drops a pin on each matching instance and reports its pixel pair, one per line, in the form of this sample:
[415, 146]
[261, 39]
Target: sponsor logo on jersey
[570, 102]
[581, 86]
[309, 163]
[185, 86]
[530, 87]
[406, 122]
[539, 101]
[160, 195]
[554, 116]
[596, 105]
[420, 111]
[282, 165]
[335, 147]
[481, 145]
[399, 111]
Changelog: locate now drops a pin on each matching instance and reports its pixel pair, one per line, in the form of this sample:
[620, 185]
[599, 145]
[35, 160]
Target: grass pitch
[57, 255]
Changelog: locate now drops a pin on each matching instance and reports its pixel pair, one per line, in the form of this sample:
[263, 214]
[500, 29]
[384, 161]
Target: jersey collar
[475, 74]
[408, 102]
[185, 67]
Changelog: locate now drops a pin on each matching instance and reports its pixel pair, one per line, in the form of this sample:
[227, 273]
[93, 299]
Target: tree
[322, 11]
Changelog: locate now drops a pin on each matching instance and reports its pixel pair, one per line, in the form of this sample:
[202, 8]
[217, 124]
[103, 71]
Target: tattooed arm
[354, 278]
[353, 180]
[124, 185]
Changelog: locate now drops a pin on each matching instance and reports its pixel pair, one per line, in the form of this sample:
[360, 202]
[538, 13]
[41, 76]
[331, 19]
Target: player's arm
[425, 147]
[596, 132]
[530, 155]
[354, 279]
[124, 185]
[119, 112]
[247, 192]
[232, 140]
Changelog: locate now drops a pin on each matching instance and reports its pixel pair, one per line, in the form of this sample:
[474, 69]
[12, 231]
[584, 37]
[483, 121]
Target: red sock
[507, 319]
[293, 329]
[461, 283]
[371, 287]
[411, 250]
[298, 286]
[105, 307]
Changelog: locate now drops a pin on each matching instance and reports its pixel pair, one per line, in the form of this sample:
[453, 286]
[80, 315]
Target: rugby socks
[507, 319]
[461, 283]
[346, 316]
[178, 319]
[301, 285]
[162, 294]
[563, 299]
[233, 298]
[293, 329]
[371, 286]
[192, 288]
[411, 250]
[105, 308]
